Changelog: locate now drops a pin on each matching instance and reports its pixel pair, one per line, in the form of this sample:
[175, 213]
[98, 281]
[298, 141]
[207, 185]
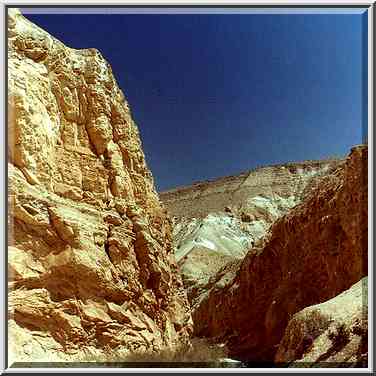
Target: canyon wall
[91, 265]
[216, 222]
[310, 255]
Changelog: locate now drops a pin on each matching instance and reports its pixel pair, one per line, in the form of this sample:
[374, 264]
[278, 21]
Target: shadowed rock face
[310, 255]
[215, 223]
[335, 331]
[90, 258]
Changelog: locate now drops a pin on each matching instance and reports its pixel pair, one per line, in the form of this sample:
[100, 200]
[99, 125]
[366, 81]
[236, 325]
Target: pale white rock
[217, 222]
[333, 332]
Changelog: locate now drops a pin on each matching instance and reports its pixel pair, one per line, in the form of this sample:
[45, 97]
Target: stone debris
[335, 331]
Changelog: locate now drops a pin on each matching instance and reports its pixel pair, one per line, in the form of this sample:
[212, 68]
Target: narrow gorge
[257, 248]
[271, 265]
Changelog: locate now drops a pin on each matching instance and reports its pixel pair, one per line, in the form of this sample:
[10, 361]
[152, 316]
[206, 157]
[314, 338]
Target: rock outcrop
[215, 223]
[331, 333]
[310, 255]
[90, 259]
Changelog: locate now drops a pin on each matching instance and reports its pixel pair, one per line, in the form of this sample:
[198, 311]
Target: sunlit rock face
[91, 265]
[217, 222]
[310, 255]
[333, 332]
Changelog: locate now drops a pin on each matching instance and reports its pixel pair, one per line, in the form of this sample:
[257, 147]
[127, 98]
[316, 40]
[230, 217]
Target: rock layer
[216, 222]
[90, 258]
[245, 192]
[310, 255]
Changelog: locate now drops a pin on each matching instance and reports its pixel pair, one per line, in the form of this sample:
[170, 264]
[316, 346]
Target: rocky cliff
[310, 255]
[216, 222]
[91, 265]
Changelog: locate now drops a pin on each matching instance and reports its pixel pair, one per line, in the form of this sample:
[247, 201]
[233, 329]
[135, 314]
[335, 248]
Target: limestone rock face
[216, 223]
[90, 259]
[335, 331]
[310, 255]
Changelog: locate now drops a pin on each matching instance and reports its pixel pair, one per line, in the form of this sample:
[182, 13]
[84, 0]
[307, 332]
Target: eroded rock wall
[90, 259]
[215, 223]
[311, 254]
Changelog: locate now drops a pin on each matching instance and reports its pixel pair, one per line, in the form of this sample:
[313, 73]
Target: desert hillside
[216, 222]
[311, 254]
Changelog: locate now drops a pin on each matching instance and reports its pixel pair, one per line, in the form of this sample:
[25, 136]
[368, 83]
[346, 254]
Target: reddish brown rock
[83, 274]
[216, 222]
[310, 255]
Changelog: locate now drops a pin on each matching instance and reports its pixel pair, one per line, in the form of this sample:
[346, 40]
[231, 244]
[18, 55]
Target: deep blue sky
[214, 95]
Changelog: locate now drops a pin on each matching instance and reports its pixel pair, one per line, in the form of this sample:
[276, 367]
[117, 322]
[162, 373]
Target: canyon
[217, 222]
[270, 264]
[310, 254]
